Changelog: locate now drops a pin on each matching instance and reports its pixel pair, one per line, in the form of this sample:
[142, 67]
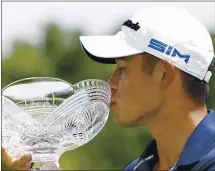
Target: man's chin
[124, 124]
[127, 125]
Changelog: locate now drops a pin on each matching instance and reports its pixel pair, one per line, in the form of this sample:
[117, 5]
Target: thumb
[6, 157]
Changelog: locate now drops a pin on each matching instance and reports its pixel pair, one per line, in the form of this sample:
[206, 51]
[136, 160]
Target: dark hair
[195, 88]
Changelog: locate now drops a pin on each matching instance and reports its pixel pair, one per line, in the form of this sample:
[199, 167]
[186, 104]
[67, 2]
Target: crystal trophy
[48, 116]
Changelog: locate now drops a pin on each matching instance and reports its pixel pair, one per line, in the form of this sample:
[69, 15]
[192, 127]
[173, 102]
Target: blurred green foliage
[60, 55]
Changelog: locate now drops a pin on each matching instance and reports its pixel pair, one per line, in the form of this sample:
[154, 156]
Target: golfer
[164, 61]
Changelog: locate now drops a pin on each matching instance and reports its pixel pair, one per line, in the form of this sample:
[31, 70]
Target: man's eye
[121, 72]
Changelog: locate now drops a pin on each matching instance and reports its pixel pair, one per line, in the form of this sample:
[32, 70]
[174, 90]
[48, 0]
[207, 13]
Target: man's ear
[169, 74]
[165, 73]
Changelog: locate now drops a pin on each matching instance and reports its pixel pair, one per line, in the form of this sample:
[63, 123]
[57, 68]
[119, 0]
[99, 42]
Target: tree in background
[60, 55]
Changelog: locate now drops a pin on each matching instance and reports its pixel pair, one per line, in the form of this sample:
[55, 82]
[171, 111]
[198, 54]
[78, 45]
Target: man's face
[135, 95]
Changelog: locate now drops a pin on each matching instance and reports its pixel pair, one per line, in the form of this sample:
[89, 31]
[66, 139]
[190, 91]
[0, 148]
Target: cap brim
[105, 49]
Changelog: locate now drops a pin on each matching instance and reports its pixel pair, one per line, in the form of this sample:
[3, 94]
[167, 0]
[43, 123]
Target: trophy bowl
[48, 116]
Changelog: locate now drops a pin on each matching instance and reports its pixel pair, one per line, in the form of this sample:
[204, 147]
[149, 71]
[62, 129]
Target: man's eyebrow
[127, 58]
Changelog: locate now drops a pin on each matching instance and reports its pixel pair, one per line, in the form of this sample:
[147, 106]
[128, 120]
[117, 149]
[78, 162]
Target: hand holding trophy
[47, 116]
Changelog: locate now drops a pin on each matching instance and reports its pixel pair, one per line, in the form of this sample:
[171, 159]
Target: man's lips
[112, 104]
[113, 101]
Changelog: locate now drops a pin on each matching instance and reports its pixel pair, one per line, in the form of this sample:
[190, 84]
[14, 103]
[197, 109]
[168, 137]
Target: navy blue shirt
[197, 154]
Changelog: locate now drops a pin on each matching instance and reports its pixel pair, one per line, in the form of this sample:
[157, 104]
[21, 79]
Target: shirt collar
[197, 145]
[200, 141]
[148, 159]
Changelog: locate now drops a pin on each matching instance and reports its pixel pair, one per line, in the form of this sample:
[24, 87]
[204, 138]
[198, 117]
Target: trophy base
[45, 162]
[45, 166]
[50, 157]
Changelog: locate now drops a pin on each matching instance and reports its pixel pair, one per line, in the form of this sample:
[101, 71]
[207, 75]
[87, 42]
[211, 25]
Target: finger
[23, 159]
[21, 162]
[27, 157]
[17, 165]
[3, 149]
[25, 166]
[6, 157]
[16, 154]
[4, 152]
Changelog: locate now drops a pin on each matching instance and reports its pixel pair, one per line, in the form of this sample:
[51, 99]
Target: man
[164, 63]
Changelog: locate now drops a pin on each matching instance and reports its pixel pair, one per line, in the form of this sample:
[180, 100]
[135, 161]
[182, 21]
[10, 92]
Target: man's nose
[113, 82]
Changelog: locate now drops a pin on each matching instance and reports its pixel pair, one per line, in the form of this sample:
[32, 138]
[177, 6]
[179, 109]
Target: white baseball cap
[169, 33]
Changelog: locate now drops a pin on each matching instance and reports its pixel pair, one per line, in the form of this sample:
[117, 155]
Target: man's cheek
[125, 94]
[121, 88]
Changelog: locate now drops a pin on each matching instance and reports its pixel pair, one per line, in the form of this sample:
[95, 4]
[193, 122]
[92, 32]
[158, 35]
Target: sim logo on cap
[168, 50]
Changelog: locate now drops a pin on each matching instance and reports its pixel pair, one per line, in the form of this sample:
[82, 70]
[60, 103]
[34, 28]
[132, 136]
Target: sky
[25, 20]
